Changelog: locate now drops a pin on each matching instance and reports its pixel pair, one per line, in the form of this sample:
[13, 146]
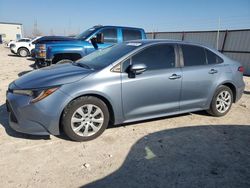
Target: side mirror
[100, 38]
[136, 69]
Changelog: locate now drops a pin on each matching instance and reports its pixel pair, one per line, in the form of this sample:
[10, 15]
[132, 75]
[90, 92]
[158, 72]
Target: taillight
[241, 69]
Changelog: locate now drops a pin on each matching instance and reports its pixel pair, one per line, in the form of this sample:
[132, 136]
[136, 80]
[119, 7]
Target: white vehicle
[20, 40]
[23, 49]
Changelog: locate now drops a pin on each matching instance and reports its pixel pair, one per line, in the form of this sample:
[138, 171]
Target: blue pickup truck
[72, 49]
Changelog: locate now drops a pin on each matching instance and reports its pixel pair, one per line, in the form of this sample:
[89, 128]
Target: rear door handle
[174, 76]
[212, 71]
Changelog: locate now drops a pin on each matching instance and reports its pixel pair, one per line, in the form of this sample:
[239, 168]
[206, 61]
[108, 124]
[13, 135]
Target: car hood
[64, 43]
[47, 39]
[52, 76]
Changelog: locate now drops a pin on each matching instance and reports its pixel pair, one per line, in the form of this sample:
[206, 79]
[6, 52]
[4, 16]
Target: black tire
[63, 61]
[214, 111]
[71, 109]
[23, 52]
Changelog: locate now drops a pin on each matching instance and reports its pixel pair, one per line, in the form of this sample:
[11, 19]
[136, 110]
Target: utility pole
[218, 35]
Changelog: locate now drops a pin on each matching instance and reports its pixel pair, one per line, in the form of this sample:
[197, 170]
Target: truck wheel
[221, 102]
[23, 52]
[63, 61]
[85, 118]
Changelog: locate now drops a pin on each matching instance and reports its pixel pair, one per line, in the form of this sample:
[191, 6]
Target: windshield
[86, 33]
[104, 57]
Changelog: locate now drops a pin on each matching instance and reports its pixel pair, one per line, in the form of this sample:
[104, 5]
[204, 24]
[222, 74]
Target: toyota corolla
[128, 82]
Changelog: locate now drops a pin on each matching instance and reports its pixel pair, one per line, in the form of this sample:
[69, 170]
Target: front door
[156, 91]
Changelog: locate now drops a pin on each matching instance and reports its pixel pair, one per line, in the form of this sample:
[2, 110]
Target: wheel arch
[232, 87]
[99, 96]
[61, 56]
[23, 47]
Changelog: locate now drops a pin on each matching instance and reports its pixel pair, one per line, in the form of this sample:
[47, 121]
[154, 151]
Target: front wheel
[23, 52]
[221, 102]
[85, 118]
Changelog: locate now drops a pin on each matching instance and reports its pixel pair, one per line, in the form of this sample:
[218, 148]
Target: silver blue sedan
[128, 82]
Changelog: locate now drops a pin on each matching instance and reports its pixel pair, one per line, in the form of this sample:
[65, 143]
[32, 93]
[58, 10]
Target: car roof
[169, 41]
[125, 27]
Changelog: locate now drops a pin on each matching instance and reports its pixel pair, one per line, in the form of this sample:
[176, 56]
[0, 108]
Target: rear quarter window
[131, 34]
[212, 58]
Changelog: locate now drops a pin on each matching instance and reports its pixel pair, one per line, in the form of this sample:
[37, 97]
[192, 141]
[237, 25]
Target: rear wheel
[85, 118]
[221, 102]
[23, 52]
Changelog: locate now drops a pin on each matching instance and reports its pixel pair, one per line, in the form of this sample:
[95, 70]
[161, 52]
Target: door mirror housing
[136, 69]
[98, 39]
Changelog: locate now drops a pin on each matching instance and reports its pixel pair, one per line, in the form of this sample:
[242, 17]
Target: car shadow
[246, 92]
[30, 59]
[13, 55]
[200, 156]
[4, 122]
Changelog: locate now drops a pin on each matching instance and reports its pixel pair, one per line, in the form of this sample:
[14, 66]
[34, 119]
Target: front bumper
[42, 62]
[41, 118]
[13, 51]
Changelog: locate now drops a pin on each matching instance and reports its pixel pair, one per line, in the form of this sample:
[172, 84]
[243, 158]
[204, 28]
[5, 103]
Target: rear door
[156, 91]
[200, 71]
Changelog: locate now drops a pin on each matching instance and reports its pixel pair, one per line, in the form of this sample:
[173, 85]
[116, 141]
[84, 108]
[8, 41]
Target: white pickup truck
[23, 48]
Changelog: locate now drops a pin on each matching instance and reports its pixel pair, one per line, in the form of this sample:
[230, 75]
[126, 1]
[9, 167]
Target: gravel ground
[189, 150]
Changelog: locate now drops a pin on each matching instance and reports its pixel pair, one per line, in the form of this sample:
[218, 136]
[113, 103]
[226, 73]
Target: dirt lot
[190, 150]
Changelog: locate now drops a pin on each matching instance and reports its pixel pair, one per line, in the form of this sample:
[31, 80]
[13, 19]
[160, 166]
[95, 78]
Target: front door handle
[174, 76]
[212, 71]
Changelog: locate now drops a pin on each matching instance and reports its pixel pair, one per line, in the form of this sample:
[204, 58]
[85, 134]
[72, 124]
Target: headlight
[36, 94]
[39, 95]
[42, 47]
[41, 51]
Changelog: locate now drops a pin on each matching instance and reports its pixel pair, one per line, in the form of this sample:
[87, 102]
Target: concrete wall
[9, 31]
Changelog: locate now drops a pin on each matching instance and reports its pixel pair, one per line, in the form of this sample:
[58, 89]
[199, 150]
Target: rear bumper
[239, 92]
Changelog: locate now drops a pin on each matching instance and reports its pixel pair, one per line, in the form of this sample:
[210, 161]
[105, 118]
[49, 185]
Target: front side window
[131, 34]
[156, 57]
[193, 55]
[110, 35]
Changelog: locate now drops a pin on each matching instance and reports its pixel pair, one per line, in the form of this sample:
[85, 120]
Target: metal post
[218, 35]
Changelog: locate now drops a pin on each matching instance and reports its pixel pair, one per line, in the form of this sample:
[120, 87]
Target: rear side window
[110, 35]
[131, 34]
[212, 58]
[156, 57]
[193, 55]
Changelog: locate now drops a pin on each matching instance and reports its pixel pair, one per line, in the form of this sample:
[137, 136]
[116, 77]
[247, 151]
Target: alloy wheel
[223, 101]
[87, 120]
